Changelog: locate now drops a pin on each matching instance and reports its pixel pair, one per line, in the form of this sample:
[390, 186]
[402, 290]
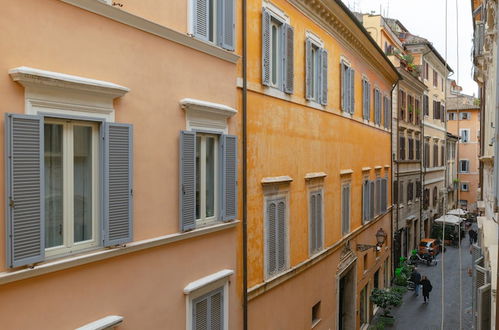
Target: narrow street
[413, 314]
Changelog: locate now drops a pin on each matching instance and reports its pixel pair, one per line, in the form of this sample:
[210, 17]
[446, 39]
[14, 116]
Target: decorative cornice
[277, 179]
[315, 175]
[204, 106]
[334, 19]
[35, 77]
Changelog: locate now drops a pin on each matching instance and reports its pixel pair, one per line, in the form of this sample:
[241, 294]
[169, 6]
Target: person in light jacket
[426, 284]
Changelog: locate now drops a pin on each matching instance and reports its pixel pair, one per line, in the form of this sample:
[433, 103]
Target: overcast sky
[426, 18]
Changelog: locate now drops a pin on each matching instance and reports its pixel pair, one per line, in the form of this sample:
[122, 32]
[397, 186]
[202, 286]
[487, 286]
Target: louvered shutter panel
[319, 221]
[25, 191]
[483, 307]
[201, 20]
[117, 220]
[216, 311]
[365, 199]
[200, 314]
[324, 83]
[364, 104]
[313, 222]
[343, 77]
[271, 237]
[368, 100]
[352, 90]
[371, 200]
[265, 47]
[229, 161]
[384, 194]
[187, 181]
[281, 234]
[309, 70]
[289, 59]
[226, 25]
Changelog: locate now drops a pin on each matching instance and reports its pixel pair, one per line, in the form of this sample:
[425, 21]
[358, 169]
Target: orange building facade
[121, 166]
[319, 166]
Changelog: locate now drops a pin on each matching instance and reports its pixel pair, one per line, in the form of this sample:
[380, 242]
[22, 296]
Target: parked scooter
[424, 259]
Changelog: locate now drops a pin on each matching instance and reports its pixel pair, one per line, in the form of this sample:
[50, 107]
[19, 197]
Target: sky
[426, 18]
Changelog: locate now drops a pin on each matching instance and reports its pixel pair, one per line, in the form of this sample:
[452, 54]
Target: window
[442, 113]
[464, 115]
[435, 155]
[366, 99]
[366, 207]
[426, 74]
[402, 148]
[208, 178]
[465, 186]
[402, 105]
[347, 88]
[364, 311]
[208, 311]
[384, 195]
[426, 198]
[376, 279]
[426, 105]
[214, 21]
[410, 110]
[418, 189]
[377, 106]
[418, 149]
[442, 155]
[463, 203]
[366, 263]
[71, 172]
[345, 208]
[316, 72]
[410, 192]
[276, 247]
[465, 135]
[377, 206]
[387, 112]
[436, 110]
[417, 114]
[435, 196]
[427, 154]
[277, 52]
[396, 191]
[435, 78]
[464, 166]
[76, 164]
[316, 221]
[451, 116]
[410, 143]
[442, 84]
[316, 314]
[401, 192]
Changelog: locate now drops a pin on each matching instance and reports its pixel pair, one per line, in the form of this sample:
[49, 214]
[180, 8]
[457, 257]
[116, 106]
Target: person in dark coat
[471, 234]
[426, 284]
[416, 279]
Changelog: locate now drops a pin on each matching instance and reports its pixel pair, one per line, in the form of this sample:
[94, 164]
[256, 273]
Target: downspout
[421, 157]
[496, 130]
[395, 262]
[245, 170]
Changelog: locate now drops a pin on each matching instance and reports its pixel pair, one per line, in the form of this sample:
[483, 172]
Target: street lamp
[380, 239]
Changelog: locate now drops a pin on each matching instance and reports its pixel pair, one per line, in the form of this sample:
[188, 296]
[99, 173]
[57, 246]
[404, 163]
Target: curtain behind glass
[82, 158]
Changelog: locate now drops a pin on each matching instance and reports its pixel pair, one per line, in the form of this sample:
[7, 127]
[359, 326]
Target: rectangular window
[410, 143]
[276, 235]
[347, 88]
[436, 110]
[206, 178]
[316, 314]
[464, 135]
[402, 148]
[464, 166]
[435, 78]
[315, 221]
[402, 105]
[214, 21]
[426, 198]
[316, 72]
[396, 191]
[427, 154]
[417, 114]
[442, 155]
[401, 192]
[366, 99]
[345, 208]
[377, 106]
[386, 112]
[418, 189]
[364, 310]
[275, 49]
[71, 160]
[366, 216]
[410, 192]
[435, 155]
[465, 186]
[378, 197]
[451, 116]
[410, 108]
[208, 311]
[418, 149]
[464, 115]
[426, 105]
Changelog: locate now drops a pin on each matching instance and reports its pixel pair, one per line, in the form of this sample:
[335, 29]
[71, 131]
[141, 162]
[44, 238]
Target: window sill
[102, 254]
[107, 322]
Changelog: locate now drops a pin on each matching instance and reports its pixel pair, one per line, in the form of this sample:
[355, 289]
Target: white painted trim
[379, 167]
[277, 179]
[366, 169]
[103, 323]
[346, 171]
[208, 107]
[315, 175]
[145, 25]
[427, 182]
[102, 254]
[276, 11]
[425, 123]
[203, 115]
[28, 77]
[314, 38]
[196, 285]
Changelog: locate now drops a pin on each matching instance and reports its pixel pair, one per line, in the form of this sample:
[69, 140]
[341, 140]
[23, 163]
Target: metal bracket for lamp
[380, 238]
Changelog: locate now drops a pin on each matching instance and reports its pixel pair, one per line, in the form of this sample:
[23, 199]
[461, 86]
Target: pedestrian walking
[471, 234]
[416, 279]
[426, 284]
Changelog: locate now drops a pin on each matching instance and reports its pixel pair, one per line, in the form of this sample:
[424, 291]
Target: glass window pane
[198, 177]
[53, 185]
[274, 51]
[82, 158]
[210, 176]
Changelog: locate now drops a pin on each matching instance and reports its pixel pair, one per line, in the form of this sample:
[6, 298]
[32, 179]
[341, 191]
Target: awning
[457, 212]
[449, 219]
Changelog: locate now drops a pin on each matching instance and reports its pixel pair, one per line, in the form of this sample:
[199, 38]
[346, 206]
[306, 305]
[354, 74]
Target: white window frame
[467, 131]
[451, 116]
[467, 166]
[69, 246]
[464, 115]
[465, 186]
[206, 285]
[203, 220]
[268, 197]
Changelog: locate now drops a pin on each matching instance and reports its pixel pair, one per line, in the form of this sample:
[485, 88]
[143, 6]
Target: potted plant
[386, 299]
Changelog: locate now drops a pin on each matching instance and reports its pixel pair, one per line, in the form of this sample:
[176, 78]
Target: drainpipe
[245, 170]
[496, 130]
[421, 157]
[395, 263]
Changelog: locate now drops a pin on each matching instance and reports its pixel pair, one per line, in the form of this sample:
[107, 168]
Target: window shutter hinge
[11, 203]
[131, 192]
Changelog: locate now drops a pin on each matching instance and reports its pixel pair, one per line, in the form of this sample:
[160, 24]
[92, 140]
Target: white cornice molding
[208, 107]
[315, 175]
[124, 17]
[202, 282]
[30, 77]
[107, 322]
[277, 179]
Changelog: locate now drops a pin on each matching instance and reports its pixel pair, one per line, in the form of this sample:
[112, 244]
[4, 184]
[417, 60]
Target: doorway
[346, 299]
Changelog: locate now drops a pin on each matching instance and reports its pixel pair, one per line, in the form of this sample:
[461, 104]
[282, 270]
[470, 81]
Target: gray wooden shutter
[229, 200]
[187, 181]
[216, 310]
[271, 237]
[117, 222]
[343, 77]
[265, 47]
[371, 200]
[281, 234]
[345, 199]
[483, 307]
[352, 90]
[25, 198]
[365, 201]
[384, 195]
[309, 70]
[288, 59]
[319, 221]
[200, 313]
[364, 100]
[207, 311]
[226, 24]
[324, 83]
[378, 197]
[201, 20]
[313, 222]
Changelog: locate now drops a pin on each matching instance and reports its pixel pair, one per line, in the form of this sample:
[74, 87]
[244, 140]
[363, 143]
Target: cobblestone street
[413, 314]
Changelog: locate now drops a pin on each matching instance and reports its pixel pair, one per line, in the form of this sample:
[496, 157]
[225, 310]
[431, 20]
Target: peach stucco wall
[144, 287]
